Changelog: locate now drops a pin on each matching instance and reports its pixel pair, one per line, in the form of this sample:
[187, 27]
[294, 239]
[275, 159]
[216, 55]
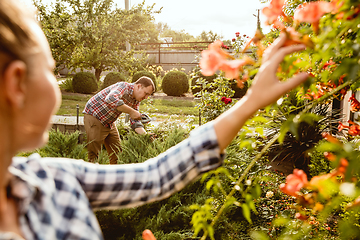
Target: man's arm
[134, 114]
[265, 89]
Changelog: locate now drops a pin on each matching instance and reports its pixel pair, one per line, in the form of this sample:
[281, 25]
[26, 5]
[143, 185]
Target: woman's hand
[266, 87]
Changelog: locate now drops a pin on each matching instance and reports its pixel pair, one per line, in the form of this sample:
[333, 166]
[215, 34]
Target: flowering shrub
[214, 97]
[330, 30]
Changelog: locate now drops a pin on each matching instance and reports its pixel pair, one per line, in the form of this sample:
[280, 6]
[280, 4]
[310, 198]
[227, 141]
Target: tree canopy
[92, 34]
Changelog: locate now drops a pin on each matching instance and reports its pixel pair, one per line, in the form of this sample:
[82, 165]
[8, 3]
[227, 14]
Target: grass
[165, 106]
[69, 102]
[182, 110]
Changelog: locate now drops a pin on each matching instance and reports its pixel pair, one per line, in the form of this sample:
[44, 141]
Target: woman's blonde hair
[17, 41]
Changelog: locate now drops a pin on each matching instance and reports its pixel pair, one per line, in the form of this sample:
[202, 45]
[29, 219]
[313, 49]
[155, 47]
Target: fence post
[77, 117]
[159, 54]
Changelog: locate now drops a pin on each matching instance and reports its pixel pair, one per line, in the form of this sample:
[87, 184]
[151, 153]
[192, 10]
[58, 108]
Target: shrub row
[174, 83]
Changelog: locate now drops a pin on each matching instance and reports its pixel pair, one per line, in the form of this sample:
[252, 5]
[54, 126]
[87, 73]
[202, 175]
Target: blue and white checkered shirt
[57, 196]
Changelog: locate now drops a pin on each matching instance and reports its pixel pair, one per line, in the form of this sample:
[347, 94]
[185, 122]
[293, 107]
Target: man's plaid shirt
[57, 196]
[103, 105]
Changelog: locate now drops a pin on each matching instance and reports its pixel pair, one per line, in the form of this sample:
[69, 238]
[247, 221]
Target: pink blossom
[294, 182]
[312, 12]
[273, 11]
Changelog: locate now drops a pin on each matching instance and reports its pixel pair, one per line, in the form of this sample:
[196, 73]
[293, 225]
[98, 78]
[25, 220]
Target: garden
[292, 172]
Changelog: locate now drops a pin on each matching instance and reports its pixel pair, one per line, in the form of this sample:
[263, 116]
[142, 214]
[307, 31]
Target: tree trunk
[98, 72]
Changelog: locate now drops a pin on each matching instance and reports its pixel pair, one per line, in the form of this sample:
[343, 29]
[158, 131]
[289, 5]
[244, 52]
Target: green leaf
[281, 221]
[256, 191]
[246, 212]
[257, 235]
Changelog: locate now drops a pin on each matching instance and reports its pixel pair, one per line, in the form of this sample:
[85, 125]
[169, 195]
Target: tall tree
[93, 33]
[58, 28]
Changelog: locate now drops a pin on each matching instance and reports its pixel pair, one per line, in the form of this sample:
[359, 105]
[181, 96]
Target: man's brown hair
[145, 82]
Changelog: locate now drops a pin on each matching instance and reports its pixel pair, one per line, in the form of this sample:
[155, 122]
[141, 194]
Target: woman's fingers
[293, 82]
[147, 235]
[280, 54]
[274, 47]
[270, 67]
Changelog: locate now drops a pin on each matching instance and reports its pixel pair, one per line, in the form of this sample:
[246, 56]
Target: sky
[194, 16]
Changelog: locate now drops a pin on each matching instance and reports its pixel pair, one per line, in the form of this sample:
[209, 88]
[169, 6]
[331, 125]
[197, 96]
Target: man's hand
[140, 131]
[135, 115]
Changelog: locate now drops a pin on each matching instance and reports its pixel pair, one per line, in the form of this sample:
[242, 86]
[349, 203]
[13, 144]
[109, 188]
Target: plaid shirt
[57, 196]
[103, 105]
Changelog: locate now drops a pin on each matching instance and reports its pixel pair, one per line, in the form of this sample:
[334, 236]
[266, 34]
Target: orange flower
[341, 169]
[354, 105]
[312, 12]
[212, 59]
[147, 235]
[342, 126]
[240, 82]
[294, 37]
[317, 180]
[301, 217]
[256, 40]
[354, 129]
[274, 11]
[328, 64]
[294, 182]
[330, 156]
[231, 68]
[318, 207]
[330, 138]
[215, 59]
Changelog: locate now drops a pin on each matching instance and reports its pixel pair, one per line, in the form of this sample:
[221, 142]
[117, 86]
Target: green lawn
[69, 102]
[171, 107]
[160, 108]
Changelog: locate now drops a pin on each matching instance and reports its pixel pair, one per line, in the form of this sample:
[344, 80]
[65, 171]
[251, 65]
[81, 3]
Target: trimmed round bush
[84, 82]
[140, 74]
[112, 78]
[208, 79]
[175, 83]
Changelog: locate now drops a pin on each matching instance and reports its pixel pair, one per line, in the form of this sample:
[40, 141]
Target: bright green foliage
[171, 218]
[92, 34]
[58, 28]
[182, 36]
[64, 145]
[293, 151]
[112, 78]
[196, 75]
[66, 85]
[210, 105]
[84, 82]
[148, 74]
[175, 83]
[334, 64]
[133, 61]
[138, 148]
